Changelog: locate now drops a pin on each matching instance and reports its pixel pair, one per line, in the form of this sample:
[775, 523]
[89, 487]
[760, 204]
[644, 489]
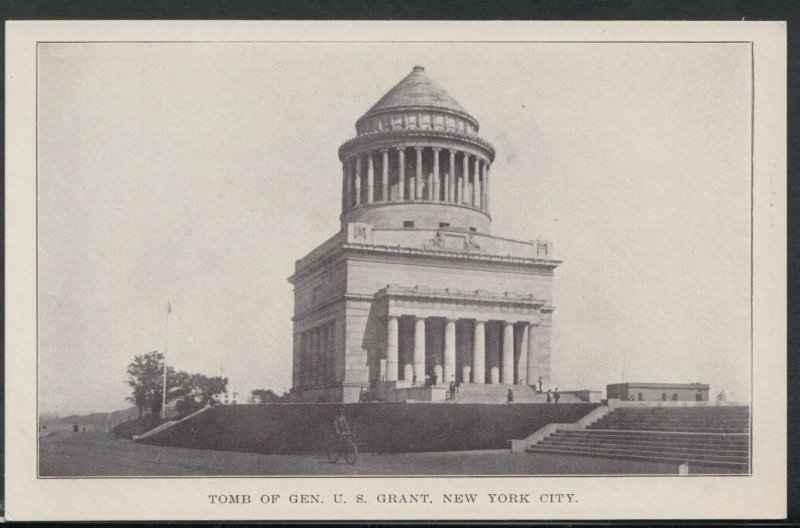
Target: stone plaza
[414, 287]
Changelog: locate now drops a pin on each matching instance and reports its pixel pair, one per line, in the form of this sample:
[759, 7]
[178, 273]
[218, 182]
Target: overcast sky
[198, 174]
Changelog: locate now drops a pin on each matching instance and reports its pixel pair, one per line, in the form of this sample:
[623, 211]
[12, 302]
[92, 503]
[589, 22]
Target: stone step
[718, 457]
[726, 440]
[671, 427]
[631, 456]
[674, 429]
[714, 409]
[677, 413]
[650, 419]
[709, 449]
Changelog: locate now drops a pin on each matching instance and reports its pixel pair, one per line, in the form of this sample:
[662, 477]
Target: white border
[762, 495]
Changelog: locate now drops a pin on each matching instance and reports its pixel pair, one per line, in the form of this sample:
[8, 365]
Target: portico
[429, 318]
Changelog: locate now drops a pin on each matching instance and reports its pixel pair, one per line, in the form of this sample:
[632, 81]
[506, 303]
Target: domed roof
[417, 90]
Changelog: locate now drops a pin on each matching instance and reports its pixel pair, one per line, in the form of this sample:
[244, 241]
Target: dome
[418, 91]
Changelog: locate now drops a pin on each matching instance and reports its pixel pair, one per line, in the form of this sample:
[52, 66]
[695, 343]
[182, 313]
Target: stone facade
[414, 284]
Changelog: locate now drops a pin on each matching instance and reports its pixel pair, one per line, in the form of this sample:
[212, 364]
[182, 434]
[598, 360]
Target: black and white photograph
[321, 258]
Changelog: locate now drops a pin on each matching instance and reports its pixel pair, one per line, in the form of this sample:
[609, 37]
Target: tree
[198, 390]
[268, 396]
[146, 378]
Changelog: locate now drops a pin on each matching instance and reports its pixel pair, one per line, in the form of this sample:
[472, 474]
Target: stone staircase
[497, 393]
[168, 424]
[709, 436]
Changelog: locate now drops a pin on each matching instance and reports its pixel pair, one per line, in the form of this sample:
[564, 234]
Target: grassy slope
[377, 427]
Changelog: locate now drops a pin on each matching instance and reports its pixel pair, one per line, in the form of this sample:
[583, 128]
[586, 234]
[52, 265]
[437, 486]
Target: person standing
[548, 396]
[340, 424]
[540, 384]
[556, 395]
[510, 396]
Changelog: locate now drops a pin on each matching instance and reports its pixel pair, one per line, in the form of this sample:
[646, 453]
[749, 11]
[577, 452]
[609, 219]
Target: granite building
[414, 284]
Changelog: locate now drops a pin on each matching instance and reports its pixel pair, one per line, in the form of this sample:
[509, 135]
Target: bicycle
[344, 445]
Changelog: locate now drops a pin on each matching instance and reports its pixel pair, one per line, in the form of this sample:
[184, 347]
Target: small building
[633, 391]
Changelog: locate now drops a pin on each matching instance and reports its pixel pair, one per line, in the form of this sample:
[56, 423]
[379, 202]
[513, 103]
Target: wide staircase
[707, 436]
[498, 393]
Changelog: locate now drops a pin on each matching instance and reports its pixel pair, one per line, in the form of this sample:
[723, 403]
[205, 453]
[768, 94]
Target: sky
[196, 174]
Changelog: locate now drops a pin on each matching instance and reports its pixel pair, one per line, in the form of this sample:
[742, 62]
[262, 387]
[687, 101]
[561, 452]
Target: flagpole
[164, 384]
[623, 364]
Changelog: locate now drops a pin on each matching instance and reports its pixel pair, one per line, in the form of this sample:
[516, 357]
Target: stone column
[385, 175]
[419, 349]
[486, 187]
[522, 363]
[508, 353]
[392, 347]
[436, 186]
[451, 188]
[344, 186]
[348, 200]
[479, 353]
[401, 173]
[476, 183]
[465, 179]
[418, 193]
[449, 351]
[358, 180]
[531, 355]
[483, 184]
[408, 372]
[323, 353]
[370, 178]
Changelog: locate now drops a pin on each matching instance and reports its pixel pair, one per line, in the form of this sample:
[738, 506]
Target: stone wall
[377, 427]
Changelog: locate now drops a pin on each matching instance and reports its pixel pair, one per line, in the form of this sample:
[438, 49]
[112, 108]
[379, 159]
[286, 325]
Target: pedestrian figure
[510, 396]
[74, 428]
[540, 384]
[340, 424]
[452, 390]
[414, 379]
[556, 395]
[434, 378]
[548, 396]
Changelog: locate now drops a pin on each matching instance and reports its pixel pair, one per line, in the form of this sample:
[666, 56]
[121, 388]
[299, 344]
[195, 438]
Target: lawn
[100, 454]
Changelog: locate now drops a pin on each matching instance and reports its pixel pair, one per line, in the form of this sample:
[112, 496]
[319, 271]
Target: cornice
[398, 136]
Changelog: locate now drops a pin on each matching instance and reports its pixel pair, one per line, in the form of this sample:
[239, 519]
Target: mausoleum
[414, 285]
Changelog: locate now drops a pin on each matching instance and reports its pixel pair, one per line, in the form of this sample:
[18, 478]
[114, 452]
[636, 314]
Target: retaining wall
[377, 427]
